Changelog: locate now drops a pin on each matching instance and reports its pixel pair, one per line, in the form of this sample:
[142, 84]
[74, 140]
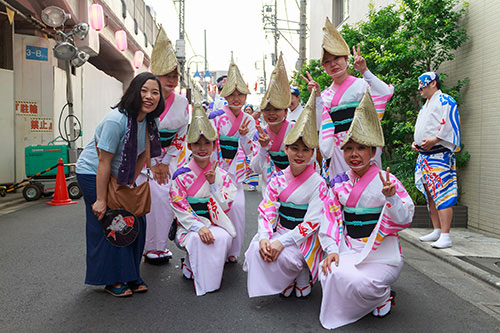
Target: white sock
[431, 237]
[444, 241]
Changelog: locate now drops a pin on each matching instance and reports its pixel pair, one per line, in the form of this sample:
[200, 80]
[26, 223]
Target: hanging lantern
[121, 40]
[96, 16]
[138, 58]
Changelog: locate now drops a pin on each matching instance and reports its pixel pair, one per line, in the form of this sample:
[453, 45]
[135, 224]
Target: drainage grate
[491, 265]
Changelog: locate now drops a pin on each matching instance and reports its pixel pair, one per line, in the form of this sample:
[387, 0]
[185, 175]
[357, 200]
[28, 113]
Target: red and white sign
[25, 108]
[40, 124]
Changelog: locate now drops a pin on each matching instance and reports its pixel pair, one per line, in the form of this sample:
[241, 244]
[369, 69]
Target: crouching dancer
[361, 239]
[200, 196]
[286, 253]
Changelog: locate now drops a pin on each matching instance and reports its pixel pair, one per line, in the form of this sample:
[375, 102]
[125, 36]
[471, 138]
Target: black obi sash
[199, 205]
[360, 222]
[291, 214]
[166, 137]
[279, 158]
[342, 116]
[228, 146]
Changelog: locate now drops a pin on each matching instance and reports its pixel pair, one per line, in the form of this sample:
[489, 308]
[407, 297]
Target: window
[340, 11]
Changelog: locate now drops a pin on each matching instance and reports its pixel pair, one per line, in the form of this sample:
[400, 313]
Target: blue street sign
[37, 53]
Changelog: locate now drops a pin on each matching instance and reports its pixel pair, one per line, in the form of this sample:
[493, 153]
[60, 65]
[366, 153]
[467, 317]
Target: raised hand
[311, 84]
[263, 139]
[359, 62]
[389, 188]
[244, 127]
[210, 174]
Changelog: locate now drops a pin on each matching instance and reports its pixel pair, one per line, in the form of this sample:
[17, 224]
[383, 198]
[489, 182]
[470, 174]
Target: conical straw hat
[234, 81]
[305, 126]
[278, 92]
[333, 42]
[365, 127]
[200, 125]
[163, 59]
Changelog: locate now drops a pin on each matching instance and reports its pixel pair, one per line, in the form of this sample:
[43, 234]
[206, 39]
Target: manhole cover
[491, 265]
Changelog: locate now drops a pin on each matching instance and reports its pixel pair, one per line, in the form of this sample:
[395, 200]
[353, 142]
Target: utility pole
[302, 34]
[180, 44]
[270, 20]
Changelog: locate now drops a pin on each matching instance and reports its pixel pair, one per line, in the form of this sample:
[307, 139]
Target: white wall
[318, 11]
[7, 115]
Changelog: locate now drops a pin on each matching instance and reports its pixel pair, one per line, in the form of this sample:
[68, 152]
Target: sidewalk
[472, 252]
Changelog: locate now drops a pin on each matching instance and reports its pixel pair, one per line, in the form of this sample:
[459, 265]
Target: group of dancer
[335, 221]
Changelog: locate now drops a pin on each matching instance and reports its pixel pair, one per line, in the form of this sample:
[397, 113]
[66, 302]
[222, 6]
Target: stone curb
[11, 203]
[470, 269]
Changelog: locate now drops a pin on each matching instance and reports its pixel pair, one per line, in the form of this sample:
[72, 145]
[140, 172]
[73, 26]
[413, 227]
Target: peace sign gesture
[244, 127]
[210, 174]
[389, 188]
[359, 62]
[263, 139]
[311, 84]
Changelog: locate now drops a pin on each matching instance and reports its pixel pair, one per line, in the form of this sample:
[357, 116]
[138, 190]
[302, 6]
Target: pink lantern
[121, 40]
[138, 58]
[96, 16]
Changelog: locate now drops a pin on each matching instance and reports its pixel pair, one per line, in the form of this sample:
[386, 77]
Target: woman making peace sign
[342, 97]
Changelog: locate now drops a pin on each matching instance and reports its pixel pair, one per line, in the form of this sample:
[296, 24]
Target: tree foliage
[400, 42]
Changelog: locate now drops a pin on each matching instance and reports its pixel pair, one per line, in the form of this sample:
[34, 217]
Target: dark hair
[220, 83]
[131, 101]
[438, 83]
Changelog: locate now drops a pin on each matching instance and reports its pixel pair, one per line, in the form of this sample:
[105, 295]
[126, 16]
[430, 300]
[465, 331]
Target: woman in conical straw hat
[173, 126]
[285, 254]
[236, 130]
[200, 194]
[359, 232]
[269, 147]
[341, 98]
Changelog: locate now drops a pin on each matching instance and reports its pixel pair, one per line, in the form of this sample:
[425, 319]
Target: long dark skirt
[106, 263]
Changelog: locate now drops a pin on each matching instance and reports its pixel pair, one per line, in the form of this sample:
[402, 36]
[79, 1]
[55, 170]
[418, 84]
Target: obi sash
[200, 206]
[228, 146]
[434, 150]
[279, 158]
[360, 222]
[342, 116]
[166, 137]
[291, 214]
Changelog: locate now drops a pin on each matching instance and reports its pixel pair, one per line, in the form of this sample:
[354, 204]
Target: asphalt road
[42, 260]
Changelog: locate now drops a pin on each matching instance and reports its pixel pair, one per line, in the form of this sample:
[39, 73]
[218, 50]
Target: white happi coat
[330, 142]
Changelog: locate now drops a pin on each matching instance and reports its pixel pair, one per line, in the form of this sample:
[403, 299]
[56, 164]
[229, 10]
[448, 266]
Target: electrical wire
[69, 116]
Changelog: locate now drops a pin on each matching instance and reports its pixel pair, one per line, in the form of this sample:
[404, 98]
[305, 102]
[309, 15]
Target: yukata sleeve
[246, 140]
[381, 92]
[223, 190]
[330, 225]
[327, 131]
[268, 210]
[399, 209]
[449, 129]
[319, 112]
[311, 222]
[177, 145]
[181, 207]
[259, 162]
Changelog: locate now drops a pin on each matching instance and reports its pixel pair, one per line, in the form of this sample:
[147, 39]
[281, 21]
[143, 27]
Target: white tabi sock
[443, 242]
[302, 285]
[431, 237]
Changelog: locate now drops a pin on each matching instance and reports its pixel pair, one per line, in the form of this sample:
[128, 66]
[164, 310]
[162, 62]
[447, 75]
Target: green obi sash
[360, 222]
[228, 146]
[342, 116]
[166, 137]
[291, 214]
[199, 205]
[279, 158]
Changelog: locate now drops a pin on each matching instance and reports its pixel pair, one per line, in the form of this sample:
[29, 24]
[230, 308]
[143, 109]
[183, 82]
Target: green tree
[400, 42]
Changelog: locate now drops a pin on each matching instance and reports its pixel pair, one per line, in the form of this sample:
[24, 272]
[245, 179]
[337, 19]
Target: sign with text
[40, 124]
[37, 53]
[27, 108]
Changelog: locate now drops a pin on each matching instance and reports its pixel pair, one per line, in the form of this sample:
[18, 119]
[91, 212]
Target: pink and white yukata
[364, 232]
[339, 103]
[231, 151]
[173, 128]
[272, 158]
[290, 212]
[197, 204]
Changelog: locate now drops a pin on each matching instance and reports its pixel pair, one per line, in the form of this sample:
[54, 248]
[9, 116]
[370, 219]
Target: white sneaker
[303, 291]
[431, 237]
[443, 242]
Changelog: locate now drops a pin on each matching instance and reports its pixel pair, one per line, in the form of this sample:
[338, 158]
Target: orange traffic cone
[61, 193]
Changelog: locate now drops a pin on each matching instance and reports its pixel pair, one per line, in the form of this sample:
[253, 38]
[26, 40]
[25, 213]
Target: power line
[185, 32]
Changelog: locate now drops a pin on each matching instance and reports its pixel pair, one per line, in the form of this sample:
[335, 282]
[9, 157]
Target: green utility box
[40, 158]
